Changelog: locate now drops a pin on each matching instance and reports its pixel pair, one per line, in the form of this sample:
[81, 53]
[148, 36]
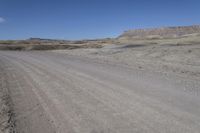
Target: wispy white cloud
[2, 20]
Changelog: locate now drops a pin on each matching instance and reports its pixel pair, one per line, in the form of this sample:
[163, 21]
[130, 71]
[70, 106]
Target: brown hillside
[165, 32]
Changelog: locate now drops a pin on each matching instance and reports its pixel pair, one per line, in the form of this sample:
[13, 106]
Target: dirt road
[54, 92]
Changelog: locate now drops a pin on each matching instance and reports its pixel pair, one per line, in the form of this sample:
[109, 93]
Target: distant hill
[157, 33]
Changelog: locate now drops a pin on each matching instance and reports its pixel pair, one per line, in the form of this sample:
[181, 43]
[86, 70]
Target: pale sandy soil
[178, 59]
[148, 89]
[6, 110]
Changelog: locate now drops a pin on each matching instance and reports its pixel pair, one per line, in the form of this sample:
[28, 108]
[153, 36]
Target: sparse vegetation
[171, 35]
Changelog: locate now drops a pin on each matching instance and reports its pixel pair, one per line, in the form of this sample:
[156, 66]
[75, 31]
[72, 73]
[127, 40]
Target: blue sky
[88, 19]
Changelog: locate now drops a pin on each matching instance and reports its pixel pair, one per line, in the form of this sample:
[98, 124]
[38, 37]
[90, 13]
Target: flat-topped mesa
[164, 32]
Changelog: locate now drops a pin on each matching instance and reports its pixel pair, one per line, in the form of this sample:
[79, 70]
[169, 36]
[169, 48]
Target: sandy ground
[177, 59]
[55, 92]
[6, 112]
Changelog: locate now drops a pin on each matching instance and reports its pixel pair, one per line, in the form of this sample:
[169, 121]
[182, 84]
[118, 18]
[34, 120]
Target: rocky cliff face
[165, 32]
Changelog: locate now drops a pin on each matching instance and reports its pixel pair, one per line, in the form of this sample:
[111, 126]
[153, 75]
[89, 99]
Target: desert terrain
[144, 81]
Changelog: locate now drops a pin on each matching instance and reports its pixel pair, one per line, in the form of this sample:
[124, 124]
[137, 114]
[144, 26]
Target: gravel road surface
[58, 93]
